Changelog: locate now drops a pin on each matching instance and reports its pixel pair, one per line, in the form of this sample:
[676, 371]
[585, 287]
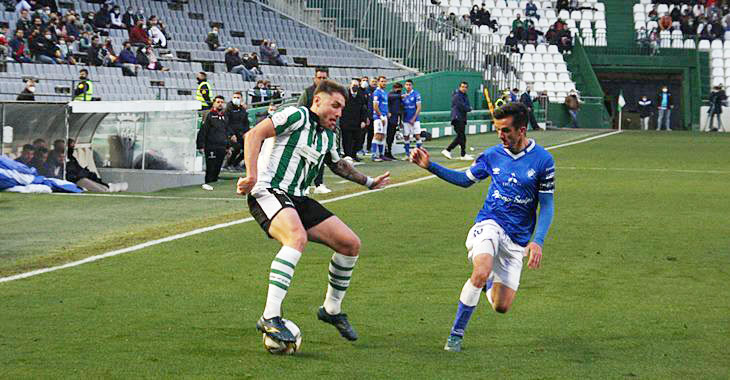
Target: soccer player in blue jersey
[380, 120]
[523, 176]
[411, 117]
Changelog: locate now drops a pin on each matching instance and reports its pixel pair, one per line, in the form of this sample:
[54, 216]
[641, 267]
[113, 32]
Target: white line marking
[692, 171]
[232, 223]
[238, 199]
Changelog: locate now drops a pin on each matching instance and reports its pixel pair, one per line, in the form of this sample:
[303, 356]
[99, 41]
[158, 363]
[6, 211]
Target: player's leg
[276, 214]
[374, 150]
[506, 273]
[407, 128]
[339, 237]
[417, 133]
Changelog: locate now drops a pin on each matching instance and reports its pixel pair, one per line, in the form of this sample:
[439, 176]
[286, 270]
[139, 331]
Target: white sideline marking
[237, 199]
[235, 222]
[690, 171]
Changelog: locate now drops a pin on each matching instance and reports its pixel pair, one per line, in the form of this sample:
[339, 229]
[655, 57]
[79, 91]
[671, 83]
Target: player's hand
[534, 251]
[245, 185]
[381, 181]
[420, 157]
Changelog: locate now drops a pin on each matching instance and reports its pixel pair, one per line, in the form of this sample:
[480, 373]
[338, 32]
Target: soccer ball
[279, 348]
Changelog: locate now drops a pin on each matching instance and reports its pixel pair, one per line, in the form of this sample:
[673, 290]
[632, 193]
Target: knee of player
[479, 278]
[352, 246]
[499, 308]
[297, 240]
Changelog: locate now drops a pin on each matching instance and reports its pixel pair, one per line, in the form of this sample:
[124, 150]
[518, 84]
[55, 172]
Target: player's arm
[420, 157]
[376, 106]
[418, 112]
[252, 147]
[346, 170]
[546, 188]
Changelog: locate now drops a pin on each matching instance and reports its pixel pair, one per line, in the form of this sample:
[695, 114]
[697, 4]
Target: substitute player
[300, 141]
[380, 120]
[523, 175]
[411, 117]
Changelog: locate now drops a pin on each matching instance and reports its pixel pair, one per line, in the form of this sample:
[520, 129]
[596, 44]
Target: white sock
[282, 271]
[469, 294]
[340, 272]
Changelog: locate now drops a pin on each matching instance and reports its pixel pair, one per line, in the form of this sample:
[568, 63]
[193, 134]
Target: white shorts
[381, 125]
[412, 129]
[488, 237]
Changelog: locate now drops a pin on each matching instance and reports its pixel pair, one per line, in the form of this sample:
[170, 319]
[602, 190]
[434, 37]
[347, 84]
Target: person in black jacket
[28, 92]
[213, 139]
[395, 116]
[645, 112]
[354, 119]
[238, 125]
[718, 99]
[459, 108]
[526, 99]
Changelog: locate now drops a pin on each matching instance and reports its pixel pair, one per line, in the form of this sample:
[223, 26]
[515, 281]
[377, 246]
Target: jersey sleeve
[287, 120]
[546, 180]
[479, 170]
[418, 98]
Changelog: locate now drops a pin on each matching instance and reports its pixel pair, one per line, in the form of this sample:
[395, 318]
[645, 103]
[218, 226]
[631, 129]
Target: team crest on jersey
[512, 178]
[530, 173]
[495, 171]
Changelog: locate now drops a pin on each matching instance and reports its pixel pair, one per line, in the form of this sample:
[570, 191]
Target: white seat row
[545, 68]
[549, 77]
[542, 58]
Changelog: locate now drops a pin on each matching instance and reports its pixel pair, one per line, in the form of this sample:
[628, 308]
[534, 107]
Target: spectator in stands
[84, 89]
[698, 9]
[270, 54]
[464, 24]
[85, 42]
[129, 19]
[395, 117]
[234, 64]
[155, 33]
[572, 104]
[526, 100]
[565, 41]
[562, 4]
[64, 52]
[102, 18]
[137, 35]
[213, 40]
[153, 63]
[128, 60]
[354, 119]
[17, 48]
[260, 93]
[88, 23]
[474, 16]
[518, 27]
[44, 49]
[96, 53]
[459, 108]
[533, 35]
[213, 141]
[72, 30]
[251, 62]
[665, 22]
[4, 49]
[26, 156]
[22, 5]
[718, 99]
[511, 43]
[116, 18]
[44, 165]
[665, 106]
[24, 23]
[531, 10]
[486, 18]
[238, 125]
[645, 112]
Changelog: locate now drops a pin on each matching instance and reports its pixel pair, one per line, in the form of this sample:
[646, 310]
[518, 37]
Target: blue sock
[463, 314]
[381, 149]
[374, 149]
[407, 147]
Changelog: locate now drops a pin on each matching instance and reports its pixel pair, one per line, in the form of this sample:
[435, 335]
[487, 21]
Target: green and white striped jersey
[291, 160]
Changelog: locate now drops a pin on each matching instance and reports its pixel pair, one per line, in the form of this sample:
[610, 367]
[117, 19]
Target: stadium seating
[254, 20]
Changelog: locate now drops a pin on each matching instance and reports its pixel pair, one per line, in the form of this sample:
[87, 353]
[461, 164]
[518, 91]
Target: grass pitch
[634, 283]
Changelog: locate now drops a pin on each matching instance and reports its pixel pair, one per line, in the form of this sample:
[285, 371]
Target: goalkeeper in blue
[523, 176]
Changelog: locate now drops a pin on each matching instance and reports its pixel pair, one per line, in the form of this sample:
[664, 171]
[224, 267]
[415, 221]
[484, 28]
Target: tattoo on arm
[345, 170]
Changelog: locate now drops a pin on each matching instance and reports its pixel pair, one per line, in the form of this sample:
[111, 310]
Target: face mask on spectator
[364, 84]
[236, 101]
[48, 36]
[31, 88]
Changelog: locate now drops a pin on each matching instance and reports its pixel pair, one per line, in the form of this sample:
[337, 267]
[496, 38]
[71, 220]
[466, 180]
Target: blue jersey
[516, 181]
[381, 97]
[410, 101]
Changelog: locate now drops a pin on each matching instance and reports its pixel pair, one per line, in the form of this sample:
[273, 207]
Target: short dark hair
[409, 81]
[518, 111]
[219, 97]
[28, 148]
[237, 93]
[382, 77]
[321, 69]
[465, 83]
[83, 71]
[397, 85]
[330, 87]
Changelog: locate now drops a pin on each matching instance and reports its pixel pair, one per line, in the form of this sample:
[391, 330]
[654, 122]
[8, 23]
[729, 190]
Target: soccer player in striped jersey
[380, 120]
[297, 141]
[523, 176]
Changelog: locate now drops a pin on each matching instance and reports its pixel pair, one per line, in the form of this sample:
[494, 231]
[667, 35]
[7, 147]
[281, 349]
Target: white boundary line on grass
[236, 222]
